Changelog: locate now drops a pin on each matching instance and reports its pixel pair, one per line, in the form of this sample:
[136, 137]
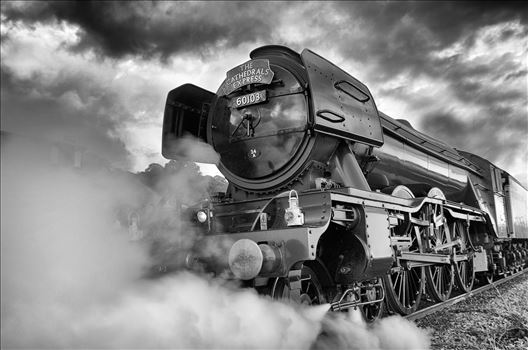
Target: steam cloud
[191, 148]
[72, 278]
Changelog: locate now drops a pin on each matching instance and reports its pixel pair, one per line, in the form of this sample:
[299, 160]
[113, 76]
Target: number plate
[250, 99]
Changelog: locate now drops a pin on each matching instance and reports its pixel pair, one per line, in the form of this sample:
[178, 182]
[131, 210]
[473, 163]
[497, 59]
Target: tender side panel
[500, 209]
[402, 130]
[517, 204]
[499, 202]
[485, 187]
[342, 105]
[402, 163]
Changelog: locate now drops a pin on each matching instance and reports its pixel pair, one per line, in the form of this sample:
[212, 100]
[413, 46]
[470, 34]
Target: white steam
[191, 148]
[349, 331]
[72, 278]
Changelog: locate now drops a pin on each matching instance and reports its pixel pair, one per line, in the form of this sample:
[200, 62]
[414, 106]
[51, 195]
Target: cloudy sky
[97, 74]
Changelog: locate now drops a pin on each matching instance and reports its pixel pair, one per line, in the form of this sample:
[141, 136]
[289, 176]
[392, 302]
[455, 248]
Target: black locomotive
[330, 200]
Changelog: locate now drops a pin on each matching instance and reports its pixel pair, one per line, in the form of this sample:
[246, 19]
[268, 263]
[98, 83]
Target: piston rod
[341, 305]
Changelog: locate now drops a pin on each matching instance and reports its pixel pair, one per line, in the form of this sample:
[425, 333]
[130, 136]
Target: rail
[440, 306]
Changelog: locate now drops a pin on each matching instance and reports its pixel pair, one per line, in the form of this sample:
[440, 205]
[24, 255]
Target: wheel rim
[464, 270]
[404, 289]
[311, 292]
[440, 278]
[439, 281]
[404, 286]
[372, 312]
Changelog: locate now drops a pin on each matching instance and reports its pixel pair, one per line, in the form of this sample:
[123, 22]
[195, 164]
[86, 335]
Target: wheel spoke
[308, 286]
[412, 283]
[463, 272]
[403, 288]
[400, 285]
[440, 277]
[310, 292]
[405, 298]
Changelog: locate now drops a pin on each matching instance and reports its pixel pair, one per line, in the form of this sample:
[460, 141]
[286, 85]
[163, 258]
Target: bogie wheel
[440, 278]
[310, 293]
[374, 311]
[404, 284]
[464, 270]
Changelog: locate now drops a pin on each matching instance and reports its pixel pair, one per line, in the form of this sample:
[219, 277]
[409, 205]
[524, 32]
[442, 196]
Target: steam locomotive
[330, 200]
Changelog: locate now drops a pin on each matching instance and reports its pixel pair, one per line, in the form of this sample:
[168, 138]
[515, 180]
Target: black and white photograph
[264, 175]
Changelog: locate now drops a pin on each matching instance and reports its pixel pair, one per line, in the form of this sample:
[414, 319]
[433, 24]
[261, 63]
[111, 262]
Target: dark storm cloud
[401, 35]
[475, 83]
[389, 38]
[480, 102]
[501, 134]
[147, 29]
[497, 124]
[517, 74]
[444, 122]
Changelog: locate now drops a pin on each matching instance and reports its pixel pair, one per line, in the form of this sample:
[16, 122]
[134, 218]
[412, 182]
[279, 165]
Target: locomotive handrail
[271, 133]
[381, 200]
[257, 218]
[291, 92]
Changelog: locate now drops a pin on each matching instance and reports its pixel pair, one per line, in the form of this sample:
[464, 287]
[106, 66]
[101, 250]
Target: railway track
[440, 306]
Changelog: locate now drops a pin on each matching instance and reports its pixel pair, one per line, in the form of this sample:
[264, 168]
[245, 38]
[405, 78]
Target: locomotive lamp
[201, 216]
[293, 214]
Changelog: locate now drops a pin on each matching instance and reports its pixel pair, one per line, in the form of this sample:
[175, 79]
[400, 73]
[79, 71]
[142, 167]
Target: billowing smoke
[75, 274]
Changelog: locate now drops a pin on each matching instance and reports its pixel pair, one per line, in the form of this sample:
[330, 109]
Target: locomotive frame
[362, 209]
